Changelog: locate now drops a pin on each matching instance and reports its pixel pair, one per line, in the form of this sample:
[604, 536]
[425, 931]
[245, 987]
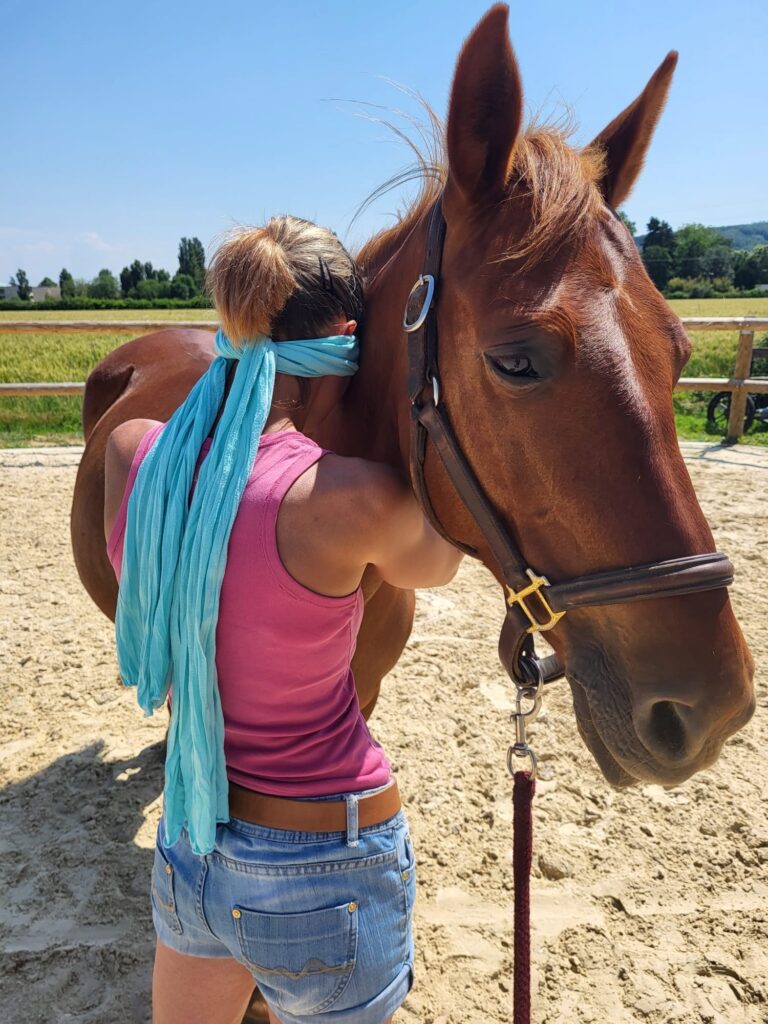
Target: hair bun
[289, 279]
[250, 281]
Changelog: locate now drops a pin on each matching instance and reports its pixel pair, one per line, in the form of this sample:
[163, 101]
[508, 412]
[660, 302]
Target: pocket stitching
[346, 969]
[320, 868]
[168, 906]
[410, 867]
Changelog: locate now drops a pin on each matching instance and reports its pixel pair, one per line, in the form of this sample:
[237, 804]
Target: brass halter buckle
[519, 596]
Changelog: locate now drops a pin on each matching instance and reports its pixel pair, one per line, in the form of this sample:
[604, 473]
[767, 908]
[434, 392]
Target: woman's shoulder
[367, 515]
[125, 438]
[338, 515]
[122, 446]
[366, 490]
[373, 480]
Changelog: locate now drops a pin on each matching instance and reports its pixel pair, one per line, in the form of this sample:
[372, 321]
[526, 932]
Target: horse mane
[430, 172]
[559, 182]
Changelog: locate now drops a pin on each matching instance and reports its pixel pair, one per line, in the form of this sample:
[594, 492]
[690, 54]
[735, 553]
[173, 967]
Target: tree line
[139, 281]
[698, 262]
[694, 261]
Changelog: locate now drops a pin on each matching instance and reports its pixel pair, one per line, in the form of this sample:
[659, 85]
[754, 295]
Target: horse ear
[486, 109]
[626, 139]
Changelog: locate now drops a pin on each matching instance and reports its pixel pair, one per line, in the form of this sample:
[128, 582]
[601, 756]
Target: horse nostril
[666, 732]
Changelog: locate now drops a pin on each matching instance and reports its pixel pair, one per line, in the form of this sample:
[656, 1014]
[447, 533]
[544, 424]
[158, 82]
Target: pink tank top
[292, 720]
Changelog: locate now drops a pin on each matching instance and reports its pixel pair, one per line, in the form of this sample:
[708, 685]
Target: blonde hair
[288, 279]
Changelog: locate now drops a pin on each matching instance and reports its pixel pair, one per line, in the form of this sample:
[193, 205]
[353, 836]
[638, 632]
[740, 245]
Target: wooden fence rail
[103, 326]
[740, 384]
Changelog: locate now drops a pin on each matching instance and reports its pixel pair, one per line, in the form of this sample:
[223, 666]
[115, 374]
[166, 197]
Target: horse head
[557, 358]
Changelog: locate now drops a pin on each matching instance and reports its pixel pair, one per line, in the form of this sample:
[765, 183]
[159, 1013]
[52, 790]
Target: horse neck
[374, 419]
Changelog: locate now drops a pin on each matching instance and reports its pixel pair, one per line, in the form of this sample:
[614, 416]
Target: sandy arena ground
[649, 905]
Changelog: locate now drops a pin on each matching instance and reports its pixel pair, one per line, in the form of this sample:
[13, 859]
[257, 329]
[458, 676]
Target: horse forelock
[559, 185]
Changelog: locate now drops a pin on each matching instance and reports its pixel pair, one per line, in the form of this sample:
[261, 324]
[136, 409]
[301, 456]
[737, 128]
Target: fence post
[739, 394]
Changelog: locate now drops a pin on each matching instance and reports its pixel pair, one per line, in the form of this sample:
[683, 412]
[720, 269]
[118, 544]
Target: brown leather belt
[310, 815]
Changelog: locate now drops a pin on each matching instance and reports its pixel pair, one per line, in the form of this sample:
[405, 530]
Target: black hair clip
[347, 294]
[326, 279]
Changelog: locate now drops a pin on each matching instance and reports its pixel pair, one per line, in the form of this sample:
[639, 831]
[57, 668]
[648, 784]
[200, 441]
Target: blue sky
[127, 126]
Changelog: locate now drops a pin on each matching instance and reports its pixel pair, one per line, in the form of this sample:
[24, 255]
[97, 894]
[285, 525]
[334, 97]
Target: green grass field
[49, 356]
[46, 356]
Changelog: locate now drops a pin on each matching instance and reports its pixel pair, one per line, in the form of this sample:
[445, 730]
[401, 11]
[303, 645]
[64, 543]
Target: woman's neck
[286, 405]
[277, 421]
[284, 397]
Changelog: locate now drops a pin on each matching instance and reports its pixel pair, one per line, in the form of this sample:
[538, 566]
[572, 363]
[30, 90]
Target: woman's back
[244, 561]
[292, 720]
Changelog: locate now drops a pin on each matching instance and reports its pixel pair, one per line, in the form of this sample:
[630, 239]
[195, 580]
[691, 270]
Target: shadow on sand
[77, 938]
[76, 935]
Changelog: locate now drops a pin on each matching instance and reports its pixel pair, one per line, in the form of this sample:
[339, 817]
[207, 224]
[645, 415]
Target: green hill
[743, 236]
[746, 236]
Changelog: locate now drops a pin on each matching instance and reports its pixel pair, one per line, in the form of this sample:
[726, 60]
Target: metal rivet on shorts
[236, 913]
[352, 907]
[168, 869]
[405, 875]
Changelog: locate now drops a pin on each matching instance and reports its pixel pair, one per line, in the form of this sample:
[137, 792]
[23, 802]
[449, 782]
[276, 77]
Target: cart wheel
[719, 409]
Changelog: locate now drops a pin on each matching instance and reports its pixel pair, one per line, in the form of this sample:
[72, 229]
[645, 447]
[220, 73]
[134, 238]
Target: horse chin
[614, 773]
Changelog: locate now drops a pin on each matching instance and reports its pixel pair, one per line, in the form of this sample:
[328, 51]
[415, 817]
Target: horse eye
[514, 365]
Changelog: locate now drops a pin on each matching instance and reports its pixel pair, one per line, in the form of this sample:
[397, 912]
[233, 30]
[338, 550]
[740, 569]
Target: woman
[283, 853]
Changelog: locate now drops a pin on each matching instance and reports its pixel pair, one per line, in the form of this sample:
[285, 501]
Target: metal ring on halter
[532, 667]
[435, 390]
[521, 750]
[535, 697]
[429, 281]
[532, 691]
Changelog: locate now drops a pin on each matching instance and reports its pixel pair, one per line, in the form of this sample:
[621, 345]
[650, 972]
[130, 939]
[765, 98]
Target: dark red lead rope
[522, 851]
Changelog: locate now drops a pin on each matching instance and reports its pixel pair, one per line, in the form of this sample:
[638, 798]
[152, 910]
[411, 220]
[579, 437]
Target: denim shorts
[322, 920]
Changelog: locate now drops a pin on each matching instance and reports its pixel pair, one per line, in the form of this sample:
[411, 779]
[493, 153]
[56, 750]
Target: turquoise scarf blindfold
[175, 553]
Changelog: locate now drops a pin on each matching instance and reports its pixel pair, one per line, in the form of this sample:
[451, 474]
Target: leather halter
[533, 604]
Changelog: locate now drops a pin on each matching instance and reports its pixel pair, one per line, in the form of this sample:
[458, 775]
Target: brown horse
[557, 357]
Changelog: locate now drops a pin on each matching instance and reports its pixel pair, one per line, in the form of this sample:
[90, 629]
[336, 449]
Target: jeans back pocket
[303, 961]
